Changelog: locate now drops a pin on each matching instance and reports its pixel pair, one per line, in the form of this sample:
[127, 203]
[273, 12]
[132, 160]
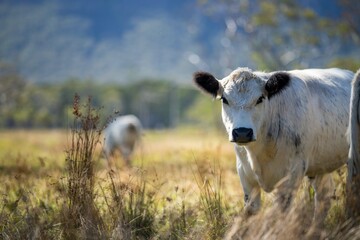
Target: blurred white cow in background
[122, 134]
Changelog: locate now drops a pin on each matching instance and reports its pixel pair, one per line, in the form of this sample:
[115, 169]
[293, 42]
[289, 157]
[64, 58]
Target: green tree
[349, 28]
[12, 87]
[205, 112]
[285, 35]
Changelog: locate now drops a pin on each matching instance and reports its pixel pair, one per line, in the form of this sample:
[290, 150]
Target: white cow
[122, 134]
[353, 130]
[291, 123]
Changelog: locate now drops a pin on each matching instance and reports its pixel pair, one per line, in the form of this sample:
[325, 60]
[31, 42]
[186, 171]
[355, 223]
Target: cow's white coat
[122, 134]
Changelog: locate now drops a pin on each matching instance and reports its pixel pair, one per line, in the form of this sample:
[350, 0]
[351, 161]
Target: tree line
[158, 103]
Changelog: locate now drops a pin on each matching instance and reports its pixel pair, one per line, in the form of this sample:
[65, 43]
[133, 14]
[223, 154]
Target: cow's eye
[224, 100]
[260, 100]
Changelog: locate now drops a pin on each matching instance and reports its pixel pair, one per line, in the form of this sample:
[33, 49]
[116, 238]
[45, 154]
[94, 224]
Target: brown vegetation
[184, 186]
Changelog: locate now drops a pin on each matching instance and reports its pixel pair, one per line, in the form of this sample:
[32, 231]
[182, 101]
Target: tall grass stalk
[179, 218]
[212, 202]
[179, 223]
[80, 214]
[134, 209]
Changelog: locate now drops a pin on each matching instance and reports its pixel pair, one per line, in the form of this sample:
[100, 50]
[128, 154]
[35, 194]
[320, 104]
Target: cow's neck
[262, 157]
[258, 155]
[264, 150]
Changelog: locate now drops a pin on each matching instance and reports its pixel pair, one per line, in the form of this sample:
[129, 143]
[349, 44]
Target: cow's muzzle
[242, 135]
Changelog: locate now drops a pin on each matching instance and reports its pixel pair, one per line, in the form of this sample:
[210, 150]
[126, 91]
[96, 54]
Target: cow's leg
[109, 153]
[324, 190]
[126, 154]
[323, 186]
[251, 189]
[290, 184]
[252, 195]
[127, 160]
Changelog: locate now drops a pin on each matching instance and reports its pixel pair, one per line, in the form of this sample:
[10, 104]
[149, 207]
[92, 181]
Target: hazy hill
[116, 40]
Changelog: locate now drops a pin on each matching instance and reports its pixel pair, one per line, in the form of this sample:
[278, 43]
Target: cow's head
[244, 96]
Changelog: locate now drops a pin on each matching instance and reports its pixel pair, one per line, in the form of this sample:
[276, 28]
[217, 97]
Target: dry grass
[79, 214]
[183, 185]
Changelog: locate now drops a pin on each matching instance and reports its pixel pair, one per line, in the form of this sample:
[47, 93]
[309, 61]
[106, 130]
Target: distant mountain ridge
[113, 41]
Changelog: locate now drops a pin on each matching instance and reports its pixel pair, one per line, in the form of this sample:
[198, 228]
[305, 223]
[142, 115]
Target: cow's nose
[242, 135]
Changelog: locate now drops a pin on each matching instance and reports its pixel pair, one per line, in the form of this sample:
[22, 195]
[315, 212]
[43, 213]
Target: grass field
[182, 185]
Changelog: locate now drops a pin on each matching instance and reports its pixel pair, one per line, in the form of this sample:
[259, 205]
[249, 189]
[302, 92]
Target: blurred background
[138, 56]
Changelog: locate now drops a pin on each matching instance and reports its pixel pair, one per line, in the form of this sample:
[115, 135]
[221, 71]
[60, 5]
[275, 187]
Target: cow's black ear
[206, 82]
[276, 83]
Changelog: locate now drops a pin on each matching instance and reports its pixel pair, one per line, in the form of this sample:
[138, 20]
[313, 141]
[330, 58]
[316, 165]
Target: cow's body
[291, 124]
[354, 150]
[122, 134]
